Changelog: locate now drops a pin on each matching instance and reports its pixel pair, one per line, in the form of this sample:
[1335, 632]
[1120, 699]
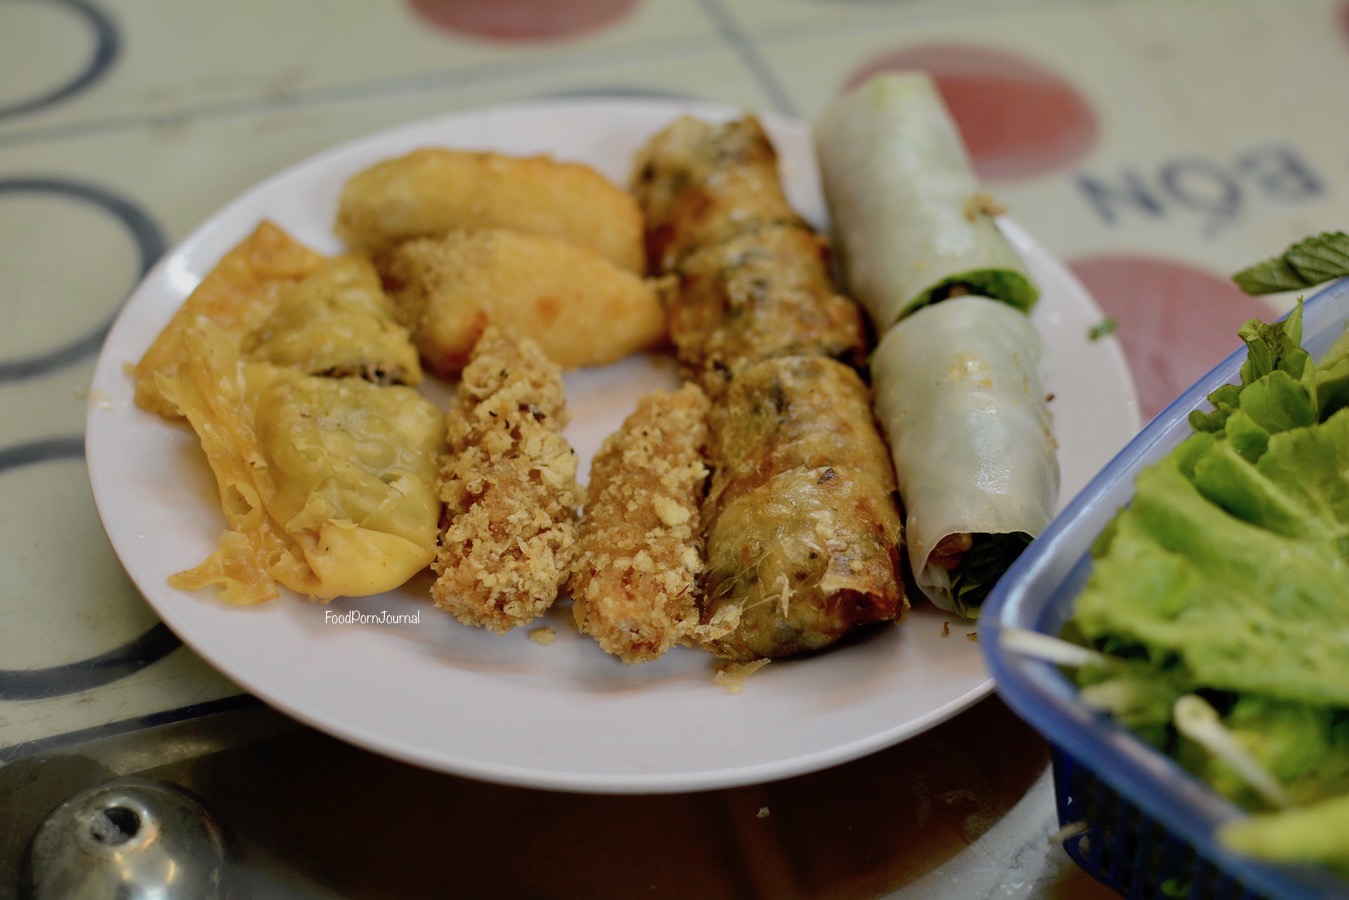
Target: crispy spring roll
[434, 189]
[699, 182]
[764, 292]
[802, 528]
[509, 486]
[580, 308]
[911, 224]
[634, 584]
[960, 395]
[752, 278]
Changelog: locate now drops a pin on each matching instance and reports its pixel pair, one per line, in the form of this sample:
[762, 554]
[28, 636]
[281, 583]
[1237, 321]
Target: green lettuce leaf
[1227, 576]
[1317, 832]
[1332, 377]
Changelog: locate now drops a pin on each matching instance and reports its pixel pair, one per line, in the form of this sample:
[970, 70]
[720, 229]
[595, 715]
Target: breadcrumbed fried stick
[509, 486]
[434, 189]
[634, 583]
[579, 307]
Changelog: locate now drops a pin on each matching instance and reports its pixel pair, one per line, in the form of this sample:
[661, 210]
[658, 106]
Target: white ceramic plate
[508, 709]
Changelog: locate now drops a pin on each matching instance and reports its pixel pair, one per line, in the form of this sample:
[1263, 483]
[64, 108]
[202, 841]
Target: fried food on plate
[634, 584]
[434, 189]
[801, 524]
[752, 278]
[328, 485]
[237, 295]
[760, 293]
[337, 322]
[509, 486]
[699, 182]
[580, 308]
[277, 301]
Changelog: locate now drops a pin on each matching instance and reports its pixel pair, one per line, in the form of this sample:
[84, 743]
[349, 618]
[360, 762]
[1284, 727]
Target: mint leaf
[1311, 261]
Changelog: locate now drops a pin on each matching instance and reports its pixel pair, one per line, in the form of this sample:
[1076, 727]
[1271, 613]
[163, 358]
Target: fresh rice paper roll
[911, 223]
[958, 391]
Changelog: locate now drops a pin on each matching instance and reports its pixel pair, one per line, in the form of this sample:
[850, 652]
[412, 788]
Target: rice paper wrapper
[910, 220]
[959, 393]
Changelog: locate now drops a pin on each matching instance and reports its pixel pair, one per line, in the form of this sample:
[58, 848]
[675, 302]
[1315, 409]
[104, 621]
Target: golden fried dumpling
[237, 295]
[328, 485]
[338, 322]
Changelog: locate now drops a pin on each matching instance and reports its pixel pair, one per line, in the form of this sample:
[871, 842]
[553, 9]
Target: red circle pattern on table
[522, 20]
[1018, 119]
[1174, 321]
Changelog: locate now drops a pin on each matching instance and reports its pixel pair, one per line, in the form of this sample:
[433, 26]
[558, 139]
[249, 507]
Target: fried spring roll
[764, 292]
[634, 585]
[802, 527]
[752, 277]
[698, 182]
[509, 486]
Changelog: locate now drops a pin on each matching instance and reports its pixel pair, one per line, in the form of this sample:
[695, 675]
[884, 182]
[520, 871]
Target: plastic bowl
[1132, 818]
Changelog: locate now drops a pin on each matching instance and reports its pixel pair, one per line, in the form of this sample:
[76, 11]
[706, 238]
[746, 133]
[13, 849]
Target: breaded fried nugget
[509, 487]
[434, 189]
[237, 295]
[634, 583]
[580, 308]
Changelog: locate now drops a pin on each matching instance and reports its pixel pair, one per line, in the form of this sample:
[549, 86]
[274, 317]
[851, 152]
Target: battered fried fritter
[634, 583]
[237, 295]
[580, 308]
[434, 189]
[509, 486]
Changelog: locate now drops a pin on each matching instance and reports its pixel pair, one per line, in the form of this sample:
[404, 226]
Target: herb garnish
[1311, 261]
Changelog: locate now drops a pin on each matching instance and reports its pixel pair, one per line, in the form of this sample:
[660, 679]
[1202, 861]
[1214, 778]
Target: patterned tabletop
[1155, 146]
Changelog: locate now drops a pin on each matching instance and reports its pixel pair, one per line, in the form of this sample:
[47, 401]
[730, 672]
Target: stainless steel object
[129, 838]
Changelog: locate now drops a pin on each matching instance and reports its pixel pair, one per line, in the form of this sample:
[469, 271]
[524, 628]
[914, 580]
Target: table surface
[1155, 146]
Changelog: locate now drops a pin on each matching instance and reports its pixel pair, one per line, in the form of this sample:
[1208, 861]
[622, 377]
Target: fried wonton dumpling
[237, 295]
[328, 485]
[277, 301]
[338, 322]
